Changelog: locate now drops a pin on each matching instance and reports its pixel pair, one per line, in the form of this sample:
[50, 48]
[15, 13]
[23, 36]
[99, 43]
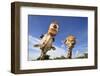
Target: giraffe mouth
[53, 31]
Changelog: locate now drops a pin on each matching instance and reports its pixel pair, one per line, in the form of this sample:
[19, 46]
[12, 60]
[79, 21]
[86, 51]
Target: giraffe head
[70, 41]
[53, 28]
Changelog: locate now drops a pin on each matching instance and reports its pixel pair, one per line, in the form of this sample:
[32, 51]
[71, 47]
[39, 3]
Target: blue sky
[77, 26]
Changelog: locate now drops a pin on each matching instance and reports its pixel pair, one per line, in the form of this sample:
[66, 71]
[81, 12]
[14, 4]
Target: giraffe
[47, 40]
[70, 42]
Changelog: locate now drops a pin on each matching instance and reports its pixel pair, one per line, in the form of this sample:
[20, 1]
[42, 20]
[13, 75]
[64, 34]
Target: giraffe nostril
[55, 26]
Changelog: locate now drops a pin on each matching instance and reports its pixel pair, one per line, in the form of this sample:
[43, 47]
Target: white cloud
[33, 39]
[33, 51]
[63, 46]
[32, 42]
[79, 54]
[56, 53]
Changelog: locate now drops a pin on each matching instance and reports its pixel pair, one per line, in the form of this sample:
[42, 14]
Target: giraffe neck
[69, 53]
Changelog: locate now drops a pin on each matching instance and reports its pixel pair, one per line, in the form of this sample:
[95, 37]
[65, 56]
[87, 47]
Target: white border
[24, 64]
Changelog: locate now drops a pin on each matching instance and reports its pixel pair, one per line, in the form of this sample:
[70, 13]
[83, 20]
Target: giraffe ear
[41, 36]
[65, 41]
